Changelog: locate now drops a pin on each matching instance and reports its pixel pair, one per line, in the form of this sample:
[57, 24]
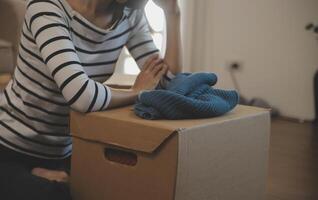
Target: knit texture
[187, 96]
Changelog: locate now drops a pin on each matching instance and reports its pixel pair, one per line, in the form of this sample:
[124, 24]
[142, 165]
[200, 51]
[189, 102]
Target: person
[68, 48]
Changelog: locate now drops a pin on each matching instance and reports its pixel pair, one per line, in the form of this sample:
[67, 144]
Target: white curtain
[197, 51]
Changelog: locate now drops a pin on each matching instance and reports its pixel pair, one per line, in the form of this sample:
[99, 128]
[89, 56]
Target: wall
[10, 31]
[267, 36]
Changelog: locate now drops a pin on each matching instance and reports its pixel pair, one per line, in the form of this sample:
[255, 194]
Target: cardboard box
[118, 156]
[121, 81]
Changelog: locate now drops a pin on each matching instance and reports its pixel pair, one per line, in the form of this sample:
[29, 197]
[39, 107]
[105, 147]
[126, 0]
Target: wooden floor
[293, 162]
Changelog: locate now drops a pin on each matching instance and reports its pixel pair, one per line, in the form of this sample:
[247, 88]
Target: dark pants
[17, 182]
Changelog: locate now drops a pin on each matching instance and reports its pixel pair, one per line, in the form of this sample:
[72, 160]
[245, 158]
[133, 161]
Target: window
[155, 16]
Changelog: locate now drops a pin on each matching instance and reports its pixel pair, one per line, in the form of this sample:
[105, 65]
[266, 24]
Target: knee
[18, 183]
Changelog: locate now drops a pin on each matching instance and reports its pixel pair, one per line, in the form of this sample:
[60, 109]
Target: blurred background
[277, 56]
[267, 49]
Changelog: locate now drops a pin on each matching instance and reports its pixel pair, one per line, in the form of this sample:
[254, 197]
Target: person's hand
[169, 6]
[51, 175]
[150, 75]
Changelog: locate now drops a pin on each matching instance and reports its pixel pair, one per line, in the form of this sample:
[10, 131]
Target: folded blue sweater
[187, 96]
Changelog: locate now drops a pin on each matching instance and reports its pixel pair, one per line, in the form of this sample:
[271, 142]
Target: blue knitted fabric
[187, 96]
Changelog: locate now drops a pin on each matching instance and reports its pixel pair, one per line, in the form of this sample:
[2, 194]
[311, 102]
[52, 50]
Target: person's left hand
[169, 6]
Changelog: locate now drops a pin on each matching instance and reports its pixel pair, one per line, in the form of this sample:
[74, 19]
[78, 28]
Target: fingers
[153, 65]
[149, 79]
[149, 61]
[156, 69]
[161, 72]
[52, 175]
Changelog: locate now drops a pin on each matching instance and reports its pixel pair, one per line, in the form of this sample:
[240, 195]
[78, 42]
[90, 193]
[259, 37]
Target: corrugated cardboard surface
[93, 177]
[226, 161]
[120, 127]
[115, 127]
[222, 158]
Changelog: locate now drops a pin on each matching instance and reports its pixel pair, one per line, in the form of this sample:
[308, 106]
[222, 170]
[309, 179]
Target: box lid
[121, 127]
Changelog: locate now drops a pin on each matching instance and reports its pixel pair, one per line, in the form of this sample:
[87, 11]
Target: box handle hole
[121, 157]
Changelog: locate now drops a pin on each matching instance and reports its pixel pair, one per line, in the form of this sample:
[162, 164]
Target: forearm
[173, 53]
[122, 97]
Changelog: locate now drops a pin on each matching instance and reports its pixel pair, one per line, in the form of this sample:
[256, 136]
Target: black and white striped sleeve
[49, 28]
[141, 45]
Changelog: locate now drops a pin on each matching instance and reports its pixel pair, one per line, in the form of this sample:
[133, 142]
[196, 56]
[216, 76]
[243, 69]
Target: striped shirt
[62, 63]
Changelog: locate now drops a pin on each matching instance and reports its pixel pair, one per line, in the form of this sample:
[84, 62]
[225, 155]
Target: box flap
[121, 127]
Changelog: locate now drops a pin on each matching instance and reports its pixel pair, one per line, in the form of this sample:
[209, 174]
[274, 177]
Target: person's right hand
[150, 75]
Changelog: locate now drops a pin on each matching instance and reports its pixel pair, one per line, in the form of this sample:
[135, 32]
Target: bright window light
[155, 16]
[158, 39]
[130, 66]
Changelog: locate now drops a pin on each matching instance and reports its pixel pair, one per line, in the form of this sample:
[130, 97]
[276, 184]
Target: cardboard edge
[115, 145]
[166, 128]
[138, 123]
[75, 126]
[183, 150]
[265, 112]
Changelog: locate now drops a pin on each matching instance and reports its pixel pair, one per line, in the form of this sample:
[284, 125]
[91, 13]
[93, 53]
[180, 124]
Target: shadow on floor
[293, 161]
